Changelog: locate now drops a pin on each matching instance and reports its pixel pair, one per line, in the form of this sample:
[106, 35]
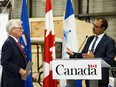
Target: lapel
[89, 42]
[15, 43]
[102, 41]
[17, 47]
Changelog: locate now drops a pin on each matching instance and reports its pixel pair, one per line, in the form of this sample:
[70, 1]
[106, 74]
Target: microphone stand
[83, 43]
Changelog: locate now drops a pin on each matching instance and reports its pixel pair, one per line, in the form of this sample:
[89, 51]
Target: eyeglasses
[20, 28]
[97, 26]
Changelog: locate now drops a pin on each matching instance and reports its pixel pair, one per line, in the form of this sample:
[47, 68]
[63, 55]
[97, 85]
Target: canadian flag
[49, 47]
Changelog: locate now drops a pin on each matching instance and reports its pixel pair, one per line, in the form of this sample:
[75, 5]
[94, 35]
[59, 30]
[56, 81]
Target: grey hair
[11, 24]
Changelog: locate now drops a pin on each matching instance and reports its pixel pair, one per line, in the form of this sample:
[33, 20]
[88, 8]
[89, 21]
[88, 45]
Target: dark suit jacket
[12, 60]
[105, 50]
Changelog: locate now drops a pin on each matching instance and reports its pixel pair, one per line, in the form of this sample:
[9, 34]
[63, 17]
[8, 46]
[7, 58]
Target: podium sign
[76, 69]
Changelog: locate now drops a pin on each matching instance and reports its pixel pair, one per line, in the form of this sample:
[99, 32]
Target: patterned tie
[92, 48]
[21, 49]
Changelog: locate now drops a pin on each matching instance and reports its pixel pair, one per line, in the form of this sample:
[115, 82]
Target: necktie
[92, 48]
[21, 49]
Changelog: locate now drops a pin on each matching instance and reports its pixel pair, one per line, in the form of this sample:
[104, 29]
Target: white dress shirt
[98, 40]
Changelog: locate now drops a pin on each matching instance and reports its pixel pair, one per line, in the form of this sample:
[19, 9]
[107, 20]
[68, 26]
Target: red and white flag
[49, 47]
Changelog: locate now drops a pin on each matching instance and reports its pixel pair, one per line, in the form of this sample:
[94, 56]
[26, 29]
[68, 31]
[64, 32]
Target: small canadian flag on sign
[93, 66]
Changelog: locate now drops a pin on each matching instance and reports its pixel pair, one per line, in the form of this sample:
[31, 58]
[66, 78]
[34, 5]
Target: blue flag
[70, 37]
[25, 39]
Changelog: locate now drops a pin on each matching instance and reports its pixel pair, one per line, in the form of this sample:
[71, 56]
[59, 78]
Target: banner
[49, 47]
[3, 36]
[77, 69]
[3, 33]
[69, 36]
[25, 39]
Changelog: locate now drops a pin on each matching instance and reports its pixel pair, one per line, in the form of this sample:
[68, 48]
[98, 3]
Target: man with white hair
[12, 57]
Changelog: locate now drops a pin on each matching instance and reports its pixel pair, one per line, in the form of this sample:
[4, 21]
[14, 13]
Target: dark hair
[104, 22]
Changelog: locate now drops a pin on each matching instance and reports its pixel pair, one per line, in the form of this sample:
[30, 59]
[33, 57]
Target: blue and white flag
[69, 31]
[25, 39]
[70, 36]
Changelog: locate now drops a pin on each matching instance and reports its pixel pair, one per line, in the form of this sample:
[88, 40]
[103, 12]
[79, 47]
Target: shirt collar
[14, 38]
[100, 36]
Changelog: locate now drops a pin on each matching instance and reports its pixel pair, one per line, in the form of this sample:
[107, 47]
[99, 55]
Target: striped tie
[21, 49]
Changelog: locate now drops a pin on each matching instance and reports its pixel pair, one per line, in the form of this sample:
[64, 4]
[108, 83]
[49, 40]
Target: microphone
[83, 43]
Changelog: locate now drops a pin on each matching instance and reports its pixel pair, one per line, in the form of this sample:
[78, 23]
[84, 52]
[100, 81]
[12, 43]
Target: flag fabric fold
[69, 31]
[49, 47]
[25, 39]
[69, 38]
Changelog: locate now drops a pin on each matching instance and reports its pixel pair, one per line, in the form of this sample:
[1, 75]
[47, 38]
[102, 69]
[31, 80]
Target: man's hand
[22, 72]
[69, 52]
[90, 55]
